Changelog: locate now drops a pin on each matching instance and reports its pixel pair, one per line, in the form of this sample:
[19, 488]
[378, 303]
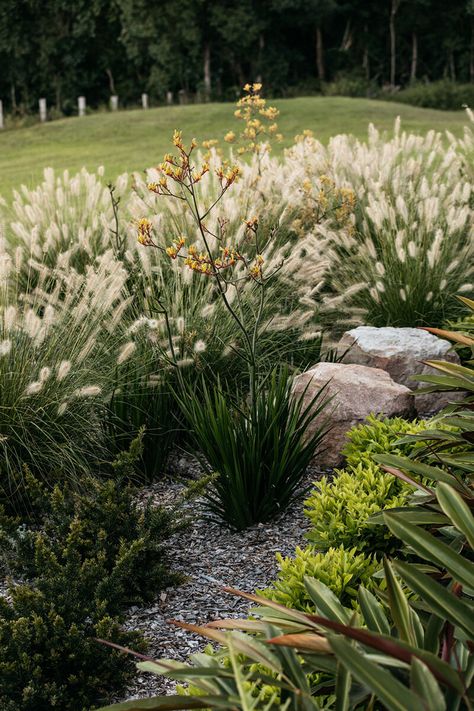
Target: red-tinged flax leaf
[407, 479]
[309, 642]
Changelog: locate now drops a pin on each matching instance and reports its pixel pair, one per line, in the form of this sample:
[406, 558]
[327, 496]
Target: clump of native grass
[58, 351]
[407, 247]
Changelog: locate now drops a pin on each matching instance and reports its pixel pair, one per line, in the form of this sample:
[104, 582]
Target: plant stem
[250, 342]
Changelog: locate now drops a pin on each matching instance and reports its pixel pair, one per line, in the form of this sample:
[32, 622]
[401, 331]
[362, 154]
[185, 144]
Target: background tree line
[209, 48]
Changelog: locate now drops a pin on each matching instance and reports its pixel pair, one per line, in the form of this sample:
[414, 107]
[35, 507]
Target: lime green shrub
[339, 509]
[342, 570]
[378, 435]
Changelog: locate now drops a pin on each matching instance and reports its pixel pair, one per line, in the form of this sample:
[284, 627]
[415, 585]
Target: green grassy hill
[134, 140]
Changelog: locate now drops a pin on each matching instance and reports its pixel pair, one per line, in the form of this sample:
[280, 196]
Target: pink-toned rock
[356, 391]
[401, 352]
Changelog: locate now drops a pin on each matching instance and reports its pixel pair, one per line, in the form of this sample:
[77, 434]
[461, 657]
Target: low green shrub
[342, 570]
[49, 658]
[339, 510]
[379, 435]
[111, 546]
[443, 94]
[83, 557]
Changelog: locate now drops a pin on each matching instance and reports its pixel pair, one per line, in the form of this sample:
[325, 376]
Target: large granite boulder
[400, 352]
[356, 392]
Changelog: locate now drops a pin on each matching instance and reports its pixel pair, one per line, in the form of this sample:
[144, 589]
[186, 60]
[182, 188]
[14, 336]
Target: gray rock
[400, 352]
[356, 392]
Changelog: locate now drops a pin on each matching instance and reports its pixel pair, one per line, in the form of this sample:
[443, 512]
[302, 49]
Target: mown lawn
[134, 140]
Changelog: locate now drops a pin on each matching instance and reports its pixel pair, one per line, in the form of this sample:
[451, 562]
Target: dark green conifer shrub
[111, 545]
[83, 557]
[49, 658]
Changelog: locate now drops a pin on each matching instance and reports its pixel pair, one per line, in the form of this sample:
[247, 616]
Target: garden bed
[211, 557]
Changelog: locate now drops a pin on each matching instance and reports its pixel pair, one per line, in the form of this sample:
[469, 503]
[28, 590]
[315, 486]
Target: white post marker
[169, 97]
[114, 102]
[1, 115]
[43, 110]
[144, 101]
[81, 105]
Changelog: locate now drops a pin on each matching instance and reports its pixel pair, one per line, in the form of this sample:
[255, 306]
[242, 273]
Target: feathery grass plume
[57, 372]
[411, 223]
[67, 220]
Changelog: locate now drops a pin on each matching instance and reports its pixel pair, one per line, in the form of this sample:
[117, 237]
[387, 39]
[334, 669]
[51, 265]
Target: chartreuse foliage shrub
[343, 570]
[378, 435]
[339, 509]
[83, 557]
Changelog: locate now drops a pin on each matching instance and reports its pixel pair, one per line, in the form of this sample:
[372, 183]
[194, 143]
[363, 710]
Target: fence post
[81, 105]
[1, 115]
[43, 110]
[144, 101]
[114, 102]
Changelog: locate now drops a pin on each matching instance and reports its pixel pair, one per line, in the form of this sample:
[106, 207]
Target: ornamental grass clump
[57, 358]
[409, 246]
[67, 220]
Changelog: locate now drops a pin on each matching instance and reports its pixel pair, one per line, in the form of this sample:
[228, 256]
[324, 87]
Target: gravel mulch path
[211, 557]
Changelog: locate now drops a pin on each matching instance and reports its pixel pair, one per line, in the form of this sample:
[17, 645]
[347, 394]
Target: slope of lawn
[134, 140]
